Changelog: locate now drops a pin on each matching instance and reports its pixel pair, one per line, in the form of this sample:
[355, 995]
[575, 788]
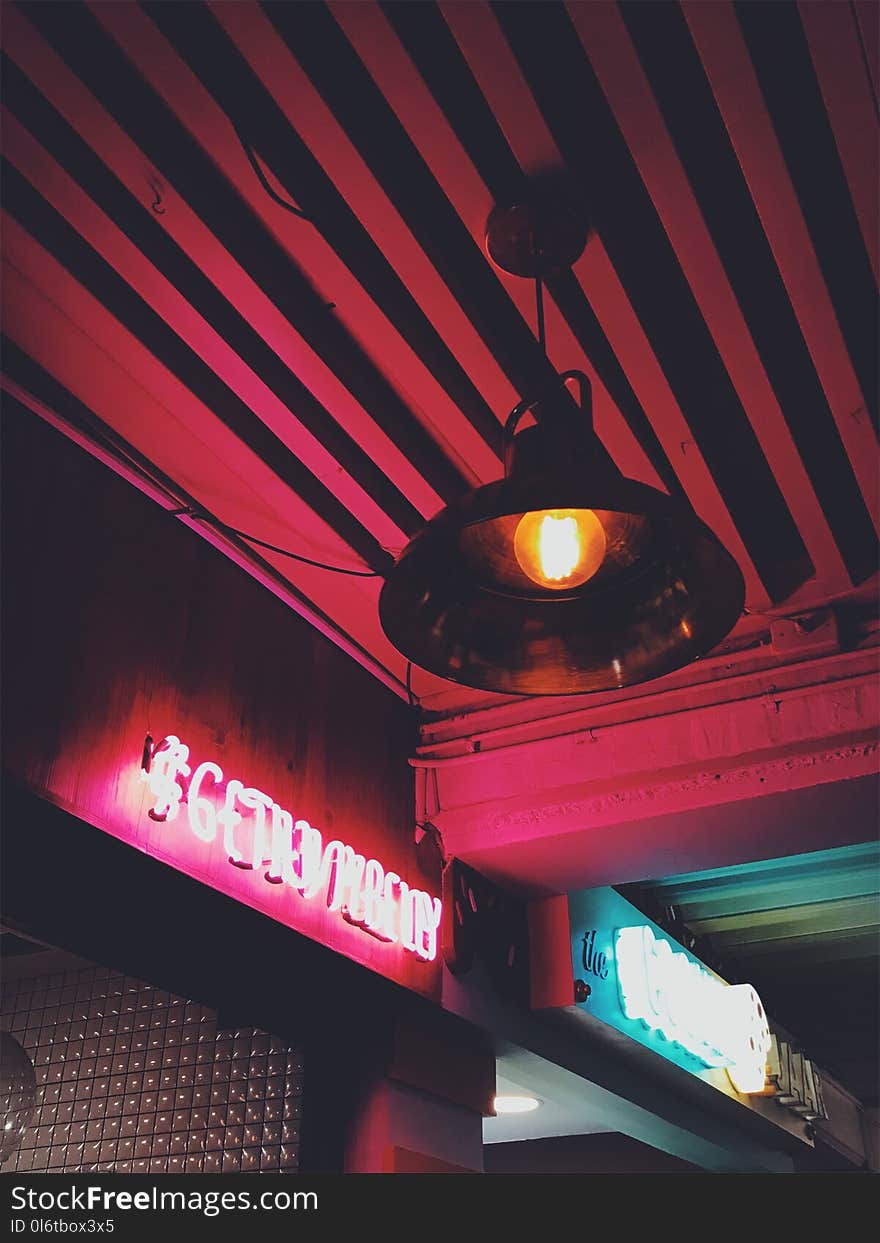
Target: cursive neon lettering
[427, 919]
[371, 895]
[719, 1024]
[281, 848]
[407, 917]
[230, 818]
[258, 833]
[258, 803]
[201, 811]
[310, 854]
[385, 928]
[167, 776]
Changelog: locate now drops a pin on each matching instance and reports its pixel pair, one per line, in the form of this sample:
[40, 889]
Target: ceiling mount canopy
[540, 237]
[564, 576]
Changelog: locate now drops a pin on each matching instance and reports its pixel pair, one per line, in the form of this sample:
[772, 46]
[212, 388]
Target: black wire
[121, 454]
[263, 180]
[865, 57]
[282, 552]
[542, 339]
[252, 539]
[539, 306]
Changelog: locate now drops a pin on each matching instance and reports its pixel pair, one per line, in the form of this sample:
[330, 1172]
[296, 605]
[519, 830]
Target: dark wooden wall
[117, 620]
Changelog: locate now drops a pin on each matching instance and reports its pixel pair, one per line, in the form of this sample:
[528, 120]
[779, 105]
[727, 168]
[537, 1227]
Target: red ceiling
[327, 384]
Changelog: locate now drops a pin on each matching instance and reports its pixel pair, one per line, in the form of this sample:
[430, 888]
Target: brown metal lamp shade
[459, 604]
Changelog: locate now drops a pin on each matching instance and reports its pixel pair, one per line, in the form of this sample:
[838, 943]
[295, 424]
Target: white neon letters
[750, 1039]
[167, 776]
[258, 833]
[202, 813]
[718, 1023]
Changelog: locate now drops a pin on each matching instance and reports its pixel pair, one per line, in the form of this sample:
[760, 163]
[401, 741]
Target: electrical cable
[865, 56]
[539, 311]
[264, 181]
[509, 427]
[282, 552]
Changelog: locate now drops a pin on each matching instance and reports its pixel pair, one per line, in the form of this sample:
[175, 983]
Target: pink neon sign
[257, 833]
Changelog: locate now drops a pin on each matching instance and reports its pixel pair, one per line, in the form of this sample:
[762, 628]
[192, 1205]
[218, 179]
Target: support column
[425, 1092]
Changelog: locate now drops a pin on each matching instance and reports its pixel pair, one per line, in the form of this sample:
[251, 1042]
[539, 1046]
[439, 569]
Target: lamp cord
[282, 552]
[539, 311]
[263, 179]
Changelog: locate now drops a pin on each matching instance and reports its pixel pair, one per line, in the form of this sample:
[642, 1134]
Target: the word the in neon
[719, 1024]
[257, 833]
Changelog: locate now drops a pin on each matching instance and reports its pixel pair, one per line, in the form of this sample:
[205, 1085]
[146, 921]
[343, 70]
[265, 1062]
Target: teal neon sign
[652, 989]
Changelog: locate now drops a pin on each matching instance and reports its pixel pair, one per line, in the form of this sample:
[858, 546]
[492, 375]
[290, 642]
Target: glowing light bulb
[559, 548]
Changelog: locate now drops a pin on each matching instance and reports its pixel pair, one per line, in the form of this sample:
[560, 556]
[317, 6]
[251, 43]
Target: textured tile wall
[132, 1079]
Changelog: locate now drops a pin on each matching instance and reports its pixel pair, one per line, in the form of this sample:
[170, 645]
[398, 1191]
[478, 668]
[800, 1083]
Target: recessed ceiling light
[509, 1104]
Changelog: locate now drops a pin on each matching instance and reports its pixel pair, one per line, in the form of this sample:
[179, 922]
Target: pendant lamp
[565, 576]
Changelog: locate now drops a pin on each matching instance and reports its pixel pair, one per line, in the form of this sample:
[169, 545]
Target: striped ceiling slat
[326, 384]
